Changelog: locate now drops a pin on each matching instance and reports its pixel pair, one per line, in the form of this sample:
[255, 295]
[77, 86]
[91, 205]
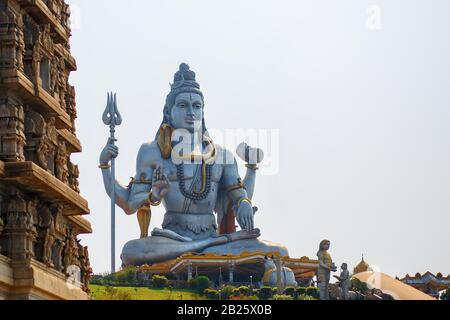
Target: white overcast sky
[362, 107]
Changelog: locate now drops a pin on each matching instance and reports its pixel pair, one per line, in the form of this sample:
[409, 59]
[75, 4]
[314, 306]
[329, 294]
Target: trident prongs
[111, 115]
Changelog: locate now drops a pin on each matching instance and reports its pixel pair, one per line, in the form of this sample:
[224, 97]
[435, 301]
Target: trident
[112, 118]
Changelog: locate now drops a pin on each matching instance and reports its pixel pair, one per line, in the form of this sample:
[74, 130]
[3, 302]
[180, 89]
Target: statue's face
[187, 112]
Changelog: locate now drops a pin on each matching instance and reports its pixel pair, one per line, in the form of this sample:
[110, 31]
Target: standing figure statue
[344, 281]
[46, 225]
[184, 170]
[326, 266]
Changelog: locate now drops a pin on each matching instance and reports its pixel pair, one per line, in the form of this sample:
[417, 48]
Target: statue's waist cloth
[193, 225]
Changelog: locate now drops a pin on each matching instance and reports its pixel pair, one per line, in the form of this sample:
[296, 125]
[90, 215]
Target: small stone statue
[47, 230]
[326, 266]
[52, 132]
[53, 74]
[76, 175]
[70, 251]
[61, 163]
[344, 281]
[57, 254]
[35, 63]
[270, 275]
[42, 153]
[85, 266]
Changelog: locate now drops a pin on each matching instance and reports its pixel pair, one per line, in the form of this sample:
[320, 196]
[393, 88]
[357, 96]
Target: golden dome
[361, 267]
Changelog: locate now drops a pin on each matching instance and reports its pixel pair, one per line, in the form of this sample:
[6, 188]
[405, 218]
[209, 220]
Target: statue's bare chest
[189, 171]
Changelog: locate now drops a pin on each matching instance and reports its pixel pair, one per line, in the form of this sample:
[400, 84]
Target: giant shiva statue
[184, 170]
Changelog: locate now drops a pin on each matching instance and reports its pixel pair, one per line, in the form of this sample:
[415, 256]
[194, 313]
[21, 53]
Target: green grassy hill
[133, 293]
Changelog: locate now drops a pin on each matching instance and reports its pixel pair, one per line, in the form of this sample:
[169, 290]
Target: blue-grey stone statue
[193, 178]
[344, 282]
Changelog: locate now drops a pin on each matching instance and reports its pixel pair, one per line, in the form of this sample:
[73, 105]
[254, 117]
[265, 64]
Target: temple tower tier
[41, 210]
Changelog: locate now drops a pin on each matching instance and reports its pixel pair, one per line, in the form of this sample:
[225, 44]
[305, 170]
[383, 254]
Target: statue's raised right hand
[160, 184]
[109, 152]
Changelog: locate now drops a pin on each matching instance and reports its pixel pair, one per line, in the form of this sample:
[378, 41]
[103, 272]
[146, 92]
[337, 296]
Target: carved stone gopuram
[41, 210]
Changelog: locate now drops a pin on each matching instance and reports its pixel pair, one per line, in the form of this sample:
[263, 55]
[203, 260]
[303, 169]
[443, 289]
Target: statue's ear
[166, 113]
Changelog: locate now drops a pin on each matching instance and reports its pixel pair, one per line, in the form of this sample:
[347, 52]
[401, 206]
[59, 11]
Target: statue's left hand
[245, 216]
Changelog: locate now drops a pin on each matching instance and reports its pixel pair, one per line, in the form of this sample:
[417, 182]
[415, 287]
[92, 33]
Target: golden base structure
[41, 209]
[232, 269]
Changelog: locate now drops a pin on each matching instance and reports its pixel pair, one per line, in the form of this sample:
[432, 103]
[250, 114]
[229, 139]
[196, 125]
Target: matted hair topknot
[184, 77]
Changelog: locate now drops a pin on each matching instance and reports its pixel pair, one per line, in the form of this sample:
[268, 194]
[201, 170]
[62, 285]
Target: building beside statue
[428, 283]
[41, 208]
[362, 266]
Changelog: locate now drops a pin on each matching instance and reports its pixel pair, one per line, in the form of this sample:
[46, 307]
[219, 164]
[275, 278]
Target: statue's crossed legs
[166, 245]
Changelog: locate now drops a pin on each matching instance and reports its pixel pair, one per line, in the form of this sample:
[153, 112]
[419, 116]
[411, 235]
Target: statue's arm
[231, 181]
[346, 276]
[322, 262]
[132, 198]
[142, 185]
[122, 193]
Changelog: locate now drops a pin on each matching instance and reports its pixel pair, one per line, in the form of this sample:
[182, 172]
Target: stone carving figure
[344, 281]
[54, 74]
[42, 151]
[33, 222]
[62, 84]
[36, 61]
[71, 106]
[75, 177]
[85, 266]
[47, 231]
[20, 50]
[183, 169]
[58, 210]
[70, 250]
[62, 171]
[70, 177]
[52, 132]
[57, 254]
[326, 266]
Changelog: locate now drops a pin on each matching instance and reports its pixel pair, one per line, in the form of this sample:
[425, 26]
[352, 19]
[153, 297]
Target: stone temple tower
[41, 210]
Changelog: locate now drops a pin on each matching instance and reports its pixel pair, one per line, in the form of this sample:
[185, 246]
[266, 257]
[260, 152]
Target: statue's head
[185, 102]
[269, 264]
[344, 266]
[324, 245]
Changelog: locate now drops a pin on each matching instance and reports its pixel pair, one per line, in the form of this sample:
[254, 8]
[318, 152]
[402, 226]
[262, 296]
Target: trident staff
[112, 118]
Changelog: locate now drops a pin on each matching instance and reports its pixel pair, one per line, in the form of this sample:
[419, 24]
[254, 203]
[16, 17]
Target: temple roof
[397, 289]
[428, 278]
[363, 266]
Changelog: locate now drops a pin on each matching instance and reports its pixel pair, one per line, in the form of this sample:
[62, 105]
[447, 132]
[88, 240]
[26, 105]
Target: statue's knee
[131, 252]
